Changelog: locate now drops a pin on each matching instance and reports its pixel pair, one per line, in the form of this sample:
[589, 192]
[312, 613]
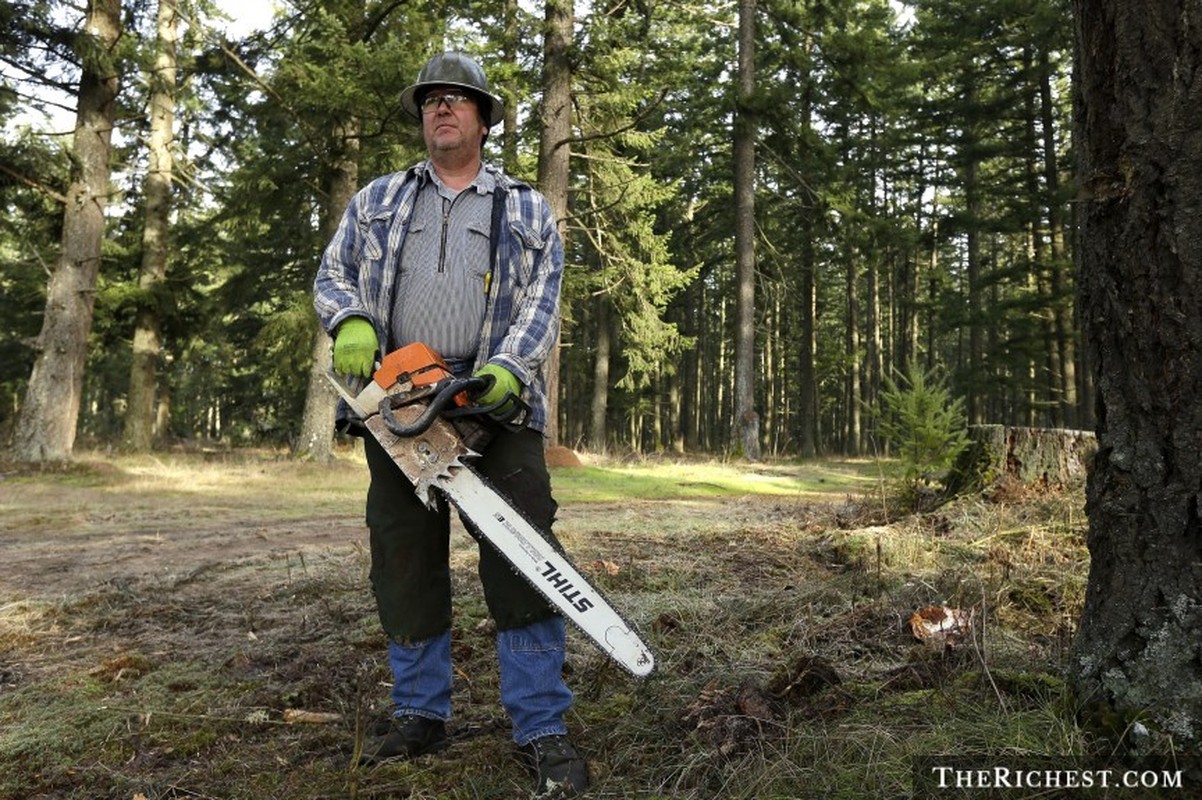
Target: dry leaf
[940, 626]
[606, 566]
[300, 716]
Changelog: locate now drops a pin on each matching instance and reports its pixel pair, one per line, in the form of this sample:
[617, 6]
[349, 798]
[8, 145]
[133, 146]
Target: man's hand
[504, 384]
[355, 346]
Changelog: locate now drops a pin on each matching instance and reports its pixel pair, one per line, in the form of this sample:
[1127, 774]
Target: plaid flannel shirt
[358, 275]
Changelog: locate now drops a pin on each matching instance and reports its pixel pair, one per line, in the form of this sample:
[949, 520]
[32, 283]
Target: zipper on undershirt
[447, 205]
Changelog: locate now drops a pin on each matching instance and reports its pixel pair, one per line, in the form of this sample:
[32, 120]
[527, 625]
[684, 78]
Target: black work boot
[558, 769]
[409, 736]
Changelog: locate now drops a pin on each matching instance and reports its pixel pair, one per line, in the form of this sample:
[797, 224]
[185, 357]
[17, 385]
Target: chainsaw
[425, 419]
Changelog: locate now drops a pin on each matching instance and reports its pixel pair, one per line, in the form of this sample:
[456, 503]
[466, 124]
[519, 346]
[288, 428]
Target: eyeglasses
[453, 100]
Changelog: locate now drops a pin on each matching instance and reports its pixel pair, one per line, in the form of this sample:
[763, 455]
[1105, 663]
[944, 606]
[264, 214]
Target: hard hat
[457, 70]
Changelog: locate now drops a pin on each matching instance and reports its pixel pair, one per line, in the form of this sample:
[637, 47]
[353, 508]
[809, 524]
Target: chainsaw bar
[549, 571]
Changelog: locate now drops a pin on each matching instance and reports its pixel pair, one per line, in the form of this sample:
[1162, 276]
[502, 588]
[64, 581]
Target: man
[456, 254]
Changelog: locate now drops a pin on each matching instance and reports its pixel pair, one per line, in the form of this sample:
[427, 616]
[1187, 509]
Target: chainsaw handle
[514, 419]
[444, 394]
[510, 412]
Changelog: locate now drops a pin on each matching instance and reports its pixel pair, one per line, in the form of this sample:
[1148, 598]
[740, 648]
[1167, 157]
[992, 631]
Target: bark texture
[599, 402]
[747, 419]
[1052, 457]
[315, 442]
[140, 417]
[49, 415]
[1140, 276]
[554, 152]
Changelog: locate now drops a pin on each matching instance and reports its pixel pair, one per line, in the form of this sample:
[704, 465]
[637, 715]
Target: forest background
[773, 212]
[912, 209]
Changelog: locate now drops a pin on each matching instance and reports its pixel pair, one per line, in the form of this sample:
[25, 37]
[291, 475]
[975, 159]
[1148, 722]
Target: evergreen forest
[911, 175]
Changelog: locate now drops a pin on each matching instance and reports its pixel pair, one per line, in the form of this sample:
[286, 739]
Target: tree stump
[1046, 456]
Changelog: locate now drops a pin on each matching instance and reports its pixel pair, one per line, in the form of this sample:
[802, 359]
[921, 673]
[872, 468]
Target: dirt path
[70, 535]
[70, 539]
[45, 563]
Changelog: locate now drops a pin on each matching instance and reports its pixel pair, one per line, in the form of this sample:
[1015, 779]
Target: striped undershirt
[441, 290]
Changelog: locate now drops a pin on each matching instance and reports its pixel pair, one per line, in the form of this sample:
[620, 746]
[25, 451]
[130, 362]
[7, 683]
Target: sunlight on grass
[22, 623]
[240, 475]
[234, 475]
[671, 480]
[134, 491]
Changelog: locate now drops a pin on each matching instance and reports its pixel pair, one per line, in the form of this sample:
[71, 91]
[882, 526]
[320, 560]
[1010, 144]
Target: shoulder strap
[499, 194]
[494, 230]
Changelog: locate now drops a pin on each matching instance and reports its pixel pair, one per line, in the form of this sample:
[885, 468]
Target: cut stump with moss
[999, 453]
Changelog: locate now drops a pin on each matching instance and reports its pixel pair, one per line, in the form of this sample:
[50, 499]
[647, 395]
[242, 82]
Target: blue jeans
[531, 664]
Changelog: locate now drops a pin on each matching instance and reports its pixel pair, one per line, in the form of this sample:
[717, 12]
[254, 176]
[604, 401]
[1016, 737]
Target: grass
[699, 479]
[776, 599]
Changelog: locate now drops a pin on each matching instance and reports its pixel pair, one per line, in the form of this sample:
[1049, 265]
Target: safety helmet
[457, 70]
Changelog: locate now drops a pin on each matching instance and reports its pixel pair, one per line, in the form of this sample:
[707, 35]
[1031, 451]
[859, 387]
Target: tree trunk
[599, 406]
[747, 419]
[874, 368]
[976, 333]
[1140, 281]
[49, 415]
[807, 382]
[690, 376]
[1062, 310]
[1040, 279]
[140, 417]
[675, 425]
[913, 277]
[807, 397]
[851, 439]
[554, 153]
[773, 373]
[932, 271]
[316, 439]
[511, 42]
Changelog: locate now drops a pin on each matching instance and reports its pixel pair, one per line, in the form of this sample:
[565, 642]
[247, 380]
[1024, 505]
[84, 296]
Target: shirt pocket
[530, 245]
[476, 250]
[375, 237]
[418, 253]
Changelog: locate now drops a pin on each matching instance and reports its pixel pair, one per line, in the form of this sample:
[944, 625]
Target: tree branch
[634, 123]
[46, 190]
[374, 23]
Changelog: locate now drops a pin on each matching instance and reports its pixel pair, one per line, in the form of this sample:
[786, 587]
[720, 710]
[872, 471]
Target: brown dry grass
[163, 620]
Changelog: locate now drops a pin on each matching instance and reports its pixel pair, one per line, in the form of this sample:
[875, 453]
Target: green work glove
[505, 383]
[355, 346]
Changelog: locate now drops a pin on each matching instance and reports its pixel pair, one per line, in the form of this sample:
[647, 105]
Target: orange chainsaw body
[418, 365]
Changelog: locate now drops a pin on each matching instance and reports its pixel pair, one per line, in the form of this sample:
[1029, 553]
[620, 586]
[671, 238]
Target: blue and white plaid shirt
[359, 269]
